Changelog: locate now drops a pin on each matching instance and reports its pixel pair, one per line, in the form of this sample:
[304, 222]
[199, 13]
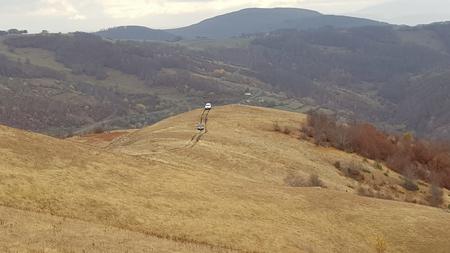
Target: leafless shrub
[377, 165]
[315, 181]
[320, 127]
[294, 180]
[367, 192]
[409, 181]
[436, 197]
[298, 181]
[337, 165]
[277, 128]
[410, 184]
[353, 170]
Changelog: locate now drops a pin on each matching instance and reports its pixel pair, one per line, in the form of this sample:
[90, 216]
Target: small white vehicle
[208, 106]
[200, 127]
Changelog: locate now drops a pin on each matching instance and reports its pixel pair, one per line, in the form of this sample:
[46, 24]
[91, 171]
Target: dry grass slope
[225, 192]
[24, 231]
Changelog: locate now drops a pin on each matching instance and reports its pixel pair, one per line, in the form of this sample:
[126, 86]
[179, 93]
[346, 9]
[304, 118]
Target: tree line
[13, 32]
[410, 156]
[23, 69]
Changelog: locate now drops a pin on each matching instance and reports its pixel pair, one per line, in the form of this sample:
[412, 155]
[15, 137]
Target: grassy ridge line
[236, 197]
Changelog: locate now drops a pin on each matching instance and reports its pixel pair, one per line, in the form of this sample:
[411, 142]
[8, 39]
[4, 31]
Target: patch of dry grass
[226, 192]
[24, 231]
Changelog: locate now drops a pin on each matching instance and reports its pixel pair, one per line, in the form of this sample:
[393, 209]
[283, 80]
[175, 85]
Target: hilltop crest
[240, 184]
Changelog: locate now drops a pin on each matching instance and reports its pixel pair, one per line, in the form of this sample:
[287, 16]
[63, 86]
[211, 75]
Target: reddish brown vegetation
[426, 160]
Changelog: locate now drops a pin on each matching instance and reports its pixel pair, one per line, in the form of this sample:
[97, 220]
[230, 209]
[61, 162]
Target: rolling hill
[154, 188]
[257, 20]
[136, 33]
[246, 21]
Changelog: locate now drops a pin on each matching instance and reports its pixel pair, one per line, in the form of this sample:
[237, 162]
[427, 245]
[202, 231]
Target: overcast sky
[92, 15]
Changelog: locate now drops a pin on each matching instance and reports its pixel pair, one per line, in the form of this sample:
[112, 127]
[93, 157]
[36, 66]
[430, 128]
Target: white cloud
[409, 11]
[141, 8]
[77, 17]
[56, 8]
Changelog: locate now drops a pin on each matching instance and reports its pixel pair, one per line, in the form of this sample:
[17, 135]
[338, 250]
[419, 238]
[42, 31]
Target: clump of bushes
[314, 180]
[436, 197]
[410, 185]
[365, 170]
[353, 170]
[377, 165]
[367, 192]
[400, 153]
[294, 180]
[277, 128]
[337, 165]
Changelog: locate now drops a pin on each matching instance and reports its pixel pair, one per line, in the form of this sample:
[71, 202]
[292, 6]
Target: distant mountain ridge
[246, 21]
[136, 33]
[257, 20]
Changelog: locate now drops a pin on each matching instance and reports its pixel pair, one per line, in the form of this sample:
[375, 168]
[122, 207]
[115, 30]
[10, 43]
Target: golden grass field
[152, 190]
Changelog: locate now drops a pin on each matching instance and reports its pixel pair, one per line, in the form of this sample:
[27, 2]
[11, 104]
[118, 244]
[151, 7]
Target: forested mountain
[258, 20]
[136, 33]
[396, 77]
[246, 21]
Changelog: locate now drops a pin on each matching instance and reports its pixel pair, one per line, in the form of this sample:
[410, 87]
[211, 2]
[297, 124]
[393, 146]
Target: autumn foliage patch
[422, 159]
